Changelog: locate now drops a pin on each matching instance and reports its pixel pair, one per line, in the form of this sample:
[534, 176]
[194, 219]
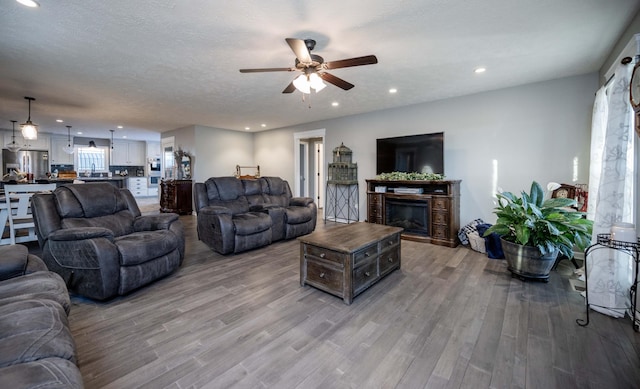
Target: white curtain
[611, 192]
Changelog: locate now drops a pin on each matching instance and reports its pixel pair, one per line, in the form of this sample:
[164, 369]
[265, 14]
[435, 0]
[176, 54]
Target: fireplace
[411, 215]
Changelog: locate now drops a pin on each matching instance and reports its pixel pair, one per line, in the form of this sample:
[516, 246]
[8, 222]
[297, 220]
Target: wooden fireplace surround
[442, 198]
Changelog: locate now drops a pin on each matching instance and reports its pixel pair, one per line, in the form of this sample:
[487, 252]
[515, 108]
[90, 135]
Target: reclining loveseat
[94, 236]
[236, 215]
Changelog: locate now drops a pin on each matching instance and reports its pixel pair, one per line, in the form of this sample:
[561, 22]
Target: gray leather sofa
[94, 236]
[237, 215]
[36, 346]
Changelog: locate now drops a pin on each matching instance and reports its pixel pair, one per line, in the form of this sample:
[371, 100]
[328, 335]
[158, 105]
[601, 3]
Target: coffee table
[346, 260]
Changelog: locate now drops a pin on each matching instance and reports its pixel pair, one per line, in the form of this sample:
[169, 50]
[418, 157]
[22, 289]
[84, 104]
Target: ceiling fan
[313, 68]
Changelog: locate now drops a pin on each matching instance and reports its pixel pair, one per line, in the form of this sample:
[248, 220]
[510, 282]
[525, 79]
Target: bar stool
[18, 206]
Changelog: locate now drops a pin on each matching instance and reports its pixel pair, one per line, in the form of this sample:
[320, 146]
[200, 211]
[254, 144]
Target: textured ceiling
[160, 65]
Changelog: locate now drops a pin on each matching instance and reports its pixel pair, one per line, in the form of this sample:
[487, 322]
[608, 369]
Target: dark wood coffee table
[346, 260]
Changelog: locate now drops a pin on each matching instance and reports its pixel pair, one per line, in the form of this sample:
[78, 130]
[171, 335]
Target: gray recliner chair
[94, 236]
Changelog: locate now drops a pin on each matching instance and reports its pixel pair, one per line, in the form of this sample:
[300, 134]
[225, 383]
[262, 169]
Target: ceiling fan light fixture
[29, 3]
[316, 82]
[13, 146]
[302, 84]
[29, 130]
[68, 148]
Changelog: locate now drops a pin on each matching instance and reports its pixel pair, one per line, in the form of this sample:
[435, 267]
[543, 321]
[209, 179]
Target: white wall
[534, 132]
[217, 152]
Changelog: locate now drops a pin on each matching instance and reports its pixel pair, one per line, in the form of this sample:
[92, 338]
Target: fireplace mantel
[441, 197]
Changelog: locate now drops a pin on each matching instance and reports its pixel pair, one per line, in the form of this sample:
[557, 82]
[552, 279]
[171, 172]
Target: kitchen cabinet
[57, 156]
[128, 153]
[137, 186]
[154, 150]
[42, 143]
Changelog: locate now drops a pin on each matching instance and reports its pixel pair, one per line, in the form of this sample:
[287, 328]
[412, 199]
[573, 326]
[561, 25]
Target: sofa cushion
[277, 191]
[89, 200]
[143, 246]
[34, 329]
[251, 223]
[39, 285]
[43, 373]
[253, 191]
[120, 223]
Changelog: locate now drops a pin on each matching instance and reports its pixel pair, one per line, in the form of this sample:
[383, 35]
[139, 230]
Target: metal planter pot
[526, 262]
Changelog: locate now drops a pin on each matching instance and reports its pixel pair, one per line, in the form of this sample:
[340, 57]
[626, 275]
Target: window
[92, 159]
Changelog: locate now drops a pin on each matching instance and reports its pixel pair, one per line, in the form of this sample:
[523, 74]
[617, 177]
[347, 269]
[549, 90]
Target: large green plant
[549, 225]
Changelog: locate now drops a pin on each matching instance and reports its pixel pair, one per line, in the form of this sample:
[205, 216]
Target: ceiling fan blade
[339, 82]
[267, 70]
[345, 63]
[300, 50]
[290, 88]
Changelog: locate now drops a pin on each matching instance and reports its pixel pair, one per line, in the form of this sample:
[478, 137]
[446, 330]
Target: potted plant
[534, 231]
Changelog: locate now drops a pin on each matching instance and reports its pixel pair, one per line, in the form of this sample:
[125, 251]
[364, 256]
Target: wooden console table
[440, 198]
[175, 196]
[346, 260]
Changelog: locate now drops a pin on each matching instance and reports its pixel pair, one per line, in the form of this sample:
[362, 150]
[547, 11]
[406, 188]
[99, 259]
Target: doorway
[309, 165]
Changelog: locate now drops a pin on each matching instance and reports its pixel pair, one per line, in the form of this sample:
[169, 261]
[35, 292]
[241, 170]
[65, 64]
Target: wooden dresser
[346, 260]
[176, 196]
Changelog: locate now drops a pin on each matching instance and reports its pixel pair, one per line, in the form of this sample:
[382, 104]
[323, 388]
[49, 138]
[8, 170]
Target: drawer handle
[390, 242]
[322, 255]
[367, 274]
[321, 275]
[390, 259]
[367, 254]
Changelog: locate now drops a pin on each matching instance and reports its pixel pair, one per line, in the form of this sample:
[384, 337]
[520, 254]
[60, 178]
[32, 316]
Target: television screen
[414, 153]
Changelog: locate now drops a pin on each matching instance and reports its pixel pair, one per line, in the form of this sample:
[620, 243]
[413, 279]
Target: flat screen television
[414, 153]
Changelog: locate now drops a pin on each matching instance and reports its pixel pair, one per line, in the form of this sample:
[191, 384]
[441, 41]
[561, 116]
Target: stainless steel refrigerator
[33, 163]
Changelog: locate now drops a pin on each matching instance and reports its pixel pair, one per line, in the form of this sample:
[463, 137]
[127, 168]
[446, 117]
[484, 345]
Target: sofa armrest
[300, 201]
[74, 234]
[215, 210]
[154, 222]
[16, 261]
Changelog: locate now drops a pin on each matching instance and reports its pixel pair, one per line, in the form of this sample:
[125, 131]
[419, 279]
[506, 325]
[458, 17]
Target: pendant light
[68, 148]
[13, 146]
[92, 144]
[29, 130]
[112, 138]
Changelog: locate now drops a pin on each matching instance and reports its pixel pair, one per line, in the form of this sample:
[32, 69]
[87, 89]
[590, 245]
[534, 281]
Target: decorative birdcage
[342, 170]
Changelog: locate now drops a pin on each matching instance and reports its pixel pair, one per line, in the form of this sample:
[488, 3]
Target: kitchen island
[118, 182]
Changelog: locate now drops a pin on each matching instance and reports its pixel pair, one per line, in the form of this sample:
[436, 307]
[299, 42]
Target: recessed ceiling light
[335, 104]
[120, 127]
[29, 3]
[79, 132]
[124, 137]
[263, 125]
[479, 70]
[247, 128]
[393, 90]
[59, 120]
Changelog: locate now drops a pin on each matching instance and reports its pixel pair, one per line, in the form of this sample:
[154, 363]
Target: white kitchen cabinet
[154, 150]
[128, 153]
[42, 143]
[56, 155]
[138, 186]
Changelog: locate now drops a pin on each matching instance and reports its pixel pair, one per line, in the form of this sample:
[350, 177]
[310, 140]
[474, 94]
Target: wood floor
[450, 318]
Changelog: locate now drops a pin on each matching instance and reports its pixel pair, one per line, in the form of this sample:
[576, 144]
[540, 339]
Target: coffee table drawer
[325, 254]
[389, 260]
[365, 254]
[365, 275]
[389, 242]
[325, 277]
